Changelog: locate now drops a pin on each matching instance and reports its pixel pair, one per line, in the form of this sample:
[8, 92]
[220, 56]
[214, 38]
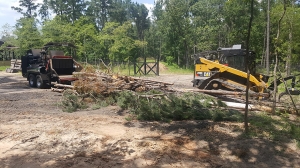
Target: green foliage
[126, 100]
[170, 60]
[175, 107]
[154, 105]
[71, 102]
[104, 102]
[28, 34]
[57, 30]
[114, 30]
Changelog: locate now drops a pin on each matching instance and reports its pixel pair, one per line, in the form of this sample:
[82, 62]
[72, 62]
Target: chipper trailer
[43, 66]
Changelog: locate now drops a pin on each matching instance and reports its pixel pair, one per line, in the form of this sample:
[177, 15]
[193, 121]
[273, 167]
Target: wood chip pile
[101, 83]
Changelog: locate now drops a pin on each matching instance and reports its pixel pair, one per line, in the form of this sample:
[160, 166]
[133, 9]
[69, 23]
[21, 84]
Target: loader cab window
[234, 59]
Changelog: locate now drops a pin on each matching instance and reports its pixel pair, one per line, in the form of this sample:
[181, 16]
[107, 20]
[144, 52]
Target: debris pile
[104, 84]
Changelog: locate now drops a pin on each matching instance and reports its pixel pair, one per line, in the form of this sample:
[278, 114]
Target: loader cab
[236, 58]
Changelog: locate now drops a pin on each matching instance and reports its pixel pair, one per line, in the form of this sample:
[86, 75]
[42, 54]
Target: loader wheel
[216, 85]
[39, 82]
[32, 80]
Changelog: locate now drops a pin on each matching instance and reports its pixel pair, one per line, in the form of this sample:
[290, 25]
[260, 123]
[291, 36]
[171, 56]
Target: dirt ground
[34, 132]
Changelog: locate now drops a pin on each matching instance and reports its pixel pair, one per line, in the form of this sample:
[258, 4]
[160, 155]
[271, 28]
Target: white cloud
[8, 15]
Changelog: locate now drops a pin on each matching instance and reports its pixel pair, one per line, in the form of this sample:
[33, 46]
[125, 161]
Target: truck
[43, 66]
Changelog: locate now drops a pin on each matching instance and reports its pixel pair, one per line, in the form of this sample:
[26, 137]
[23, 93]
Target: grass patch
[165, 68]
[277, 128]
[175, 69]
[295, 132]
[3, 68]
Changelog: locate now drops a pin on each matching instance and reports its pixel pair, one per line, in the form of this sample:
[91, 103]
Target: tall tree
[98, 10]
[208, 24]
[268, 39]
[178, 30]
[75, 9]
[27, 8]
[27, 33]
[58, 7]
[139, 14]
[248, 66]
[236, 18]
[44, 11]
[277, 43]
[119, 12]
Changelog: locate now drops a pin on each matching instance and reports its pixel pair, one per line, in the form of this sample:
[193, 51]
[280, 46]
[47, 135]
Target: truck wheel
[32, 80]
[39, 82]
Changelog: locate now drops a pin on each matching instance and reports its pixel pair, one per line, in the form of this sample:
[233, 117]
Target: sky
[9, 16]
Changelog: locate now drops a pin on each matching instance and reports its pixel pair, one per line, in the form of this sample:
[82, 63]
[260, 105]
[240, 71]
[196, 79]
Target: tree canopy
[122, 30]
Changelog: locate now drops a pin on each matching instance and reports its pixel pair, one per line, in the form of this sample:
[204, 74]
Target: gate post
[145, 64]
[134, 67]
[157, 67]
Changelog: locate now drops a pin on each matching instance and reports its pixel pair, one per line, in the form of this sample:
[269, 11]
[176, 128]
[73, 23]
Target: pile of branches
[99, 83]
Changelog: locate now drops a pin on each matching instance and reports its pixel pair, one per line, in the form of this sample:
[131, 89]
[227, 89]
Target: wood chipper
[43, 66]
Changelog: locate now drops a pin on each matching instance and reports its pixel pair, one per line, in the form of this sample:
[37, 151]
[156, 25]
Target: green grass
[124, 69]
[3, 68]
[276, 127]
[174, 69]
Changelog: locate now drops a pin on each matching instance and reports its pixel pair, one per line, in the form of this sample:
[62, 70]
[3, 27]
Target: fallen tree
[105, 88]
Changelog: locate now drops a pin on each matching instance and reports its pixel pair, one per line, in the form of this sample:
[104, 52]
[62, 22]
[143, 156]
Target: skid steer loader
[225, 69]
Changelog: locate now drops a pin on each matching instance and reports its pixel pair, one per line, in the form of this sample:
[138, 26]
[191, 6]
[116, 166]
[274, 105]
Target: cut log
[223, 92]
[57, 90]
[64, 86]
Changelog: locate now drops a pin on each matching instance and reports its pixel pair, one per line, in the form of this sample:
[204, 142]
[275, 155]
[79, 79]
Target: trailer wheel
[32, 80]
[39, 82]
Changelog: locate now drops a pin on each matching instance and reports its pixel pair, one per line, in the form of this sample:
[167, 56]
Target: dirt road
[34, 132]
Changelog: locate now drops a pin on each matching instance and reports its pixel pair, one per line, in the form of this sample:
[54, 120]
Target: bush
[170, 60]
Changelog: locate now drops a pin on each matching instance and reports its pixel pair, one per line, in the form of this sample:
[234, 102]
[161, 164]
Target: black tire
[32, 80]
[39, 82]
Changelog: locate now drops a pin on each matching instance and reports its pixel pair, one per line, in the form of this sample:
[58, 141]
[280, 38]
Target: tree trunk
[268, 40]
[276, 59]
[186, 55]
[263, 57]
[289, 56]
[248, 71]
